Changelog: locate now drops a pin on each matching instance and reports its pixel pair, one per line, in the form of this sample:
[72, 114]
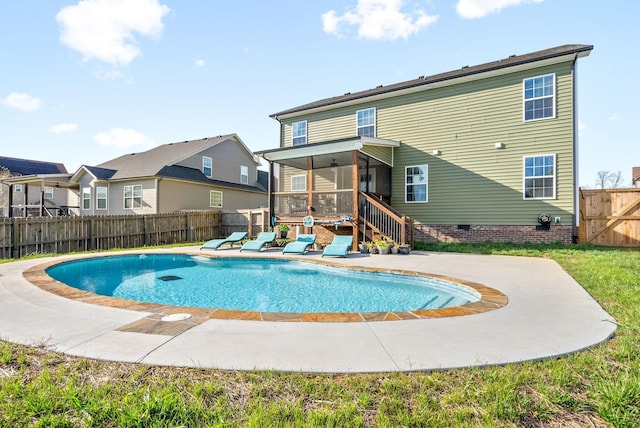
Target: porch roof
[54, 180]
[331, 153]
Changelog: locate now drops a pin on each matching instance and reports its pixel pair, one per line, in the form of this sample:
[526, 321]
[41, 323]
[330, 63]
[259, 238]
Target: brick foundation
[493, 233]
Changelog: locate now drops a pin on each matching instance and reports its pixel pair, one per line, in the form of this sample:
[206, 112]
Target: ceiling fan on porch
[333, 163]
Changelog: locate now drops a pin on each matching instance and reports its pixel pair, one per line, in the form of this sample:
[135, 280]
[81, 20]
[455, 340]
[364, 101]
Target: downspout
[576, 186]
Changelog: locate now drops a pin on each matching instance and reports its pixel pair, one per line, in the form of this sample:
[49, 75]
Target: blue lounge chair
[339, 246]
[301, 244]
[231, 239]
[257, 244]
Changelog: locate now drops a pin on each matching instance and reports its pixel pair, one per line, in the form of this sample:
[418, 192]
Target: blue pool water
[263, 285]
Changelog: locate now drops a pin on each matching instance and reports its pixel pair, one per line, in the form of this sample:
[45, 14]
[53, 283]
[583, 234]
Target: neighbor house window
[101, 198]
[48, 192]
[215, 199]
[540, 177]
[207, 166]
[244, 174]
[133, 196]
[299, 133]
[415, 184]
[86, 198]
[298, 183]
[367, 122]
[17, 188]
[539, 95]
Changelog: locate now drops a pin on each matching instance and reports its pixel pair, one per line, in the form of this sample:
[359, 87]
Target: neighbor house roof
[466, 71]
[31, 167]
[192, 174]
[151, 162]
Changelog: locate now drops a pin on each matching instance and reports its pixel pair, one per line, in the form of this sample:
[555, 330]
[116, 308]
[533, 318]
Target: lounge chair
[301, 244]
[231, 239]
[339, 246]
[257, 244]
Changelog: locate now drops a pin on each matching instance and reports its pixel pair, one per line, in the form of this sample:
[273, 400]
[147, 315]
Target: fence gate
[610, 217]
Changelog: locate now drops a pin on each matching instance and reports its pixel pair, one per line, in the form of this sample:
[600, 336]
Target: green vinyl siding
[470, 182]
[384, 154]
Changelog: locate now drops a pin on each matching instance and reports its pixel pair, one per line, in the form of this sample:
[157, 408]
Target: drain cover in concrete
[176, 317]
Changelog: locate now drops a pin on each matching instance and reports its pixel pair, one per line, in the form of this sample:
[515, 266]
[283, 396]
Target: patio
[548, 315]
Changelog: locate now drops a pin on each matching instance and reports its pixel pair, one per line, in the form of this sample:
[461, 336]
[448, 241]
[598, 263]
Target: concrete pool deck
[548, 315]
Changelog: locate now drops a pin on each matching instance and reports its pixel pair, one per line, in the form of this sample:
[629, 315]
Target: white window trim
[209, 160]
[305, 183]
[86, 191]
[306, 132]
[48, 192]
[211, 193]
[426, 167]
[553, 97]
[106, 198]
[524, 178]
[124, 198]
[244, 173]
[375, 120]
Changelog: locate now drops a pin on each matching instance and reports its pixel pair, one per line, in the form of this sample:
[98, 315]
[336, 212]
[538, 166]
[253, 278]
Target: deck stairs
[379, 220]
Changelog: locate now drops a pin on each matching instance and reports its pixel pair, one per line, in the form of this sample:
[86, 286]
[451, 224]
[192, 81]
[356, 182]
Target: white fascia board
[440, 84]
[310, 150]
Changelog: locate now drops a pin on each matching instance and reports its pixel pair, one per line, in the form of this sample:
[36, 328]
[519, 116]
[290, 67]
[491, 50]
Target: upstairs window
[416, 184]
[244, 174]
[540, 177]
[299, 133]
[17, 188]
[207, 166]
[366, 122]
[539, 95]
[133, 196]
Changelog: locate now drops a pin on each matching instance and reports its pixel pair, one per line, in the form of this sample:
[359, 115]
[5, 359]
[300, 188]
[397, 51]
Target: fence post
[13, 251]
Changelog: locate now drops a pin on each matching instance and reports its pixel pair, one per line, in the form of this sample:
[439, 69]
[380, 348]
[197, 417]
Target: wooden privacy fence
[610, 217]
[22, 236]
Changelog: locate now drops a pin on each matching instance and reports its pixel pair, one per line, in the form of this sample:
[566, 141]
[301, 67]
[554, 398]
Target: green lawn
[598, 387]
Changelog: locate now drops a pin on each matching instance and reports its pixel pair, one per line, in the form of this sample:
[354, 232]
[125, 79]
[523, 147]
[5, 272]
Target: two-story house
[485, 152]
[211, 173]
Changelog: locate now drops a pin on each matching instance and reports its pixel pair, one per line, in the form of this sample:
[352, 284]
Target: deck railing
[384, 220]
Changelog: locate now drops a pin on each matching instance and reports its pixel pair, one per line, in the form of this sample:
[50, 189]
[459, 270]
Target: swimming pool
[261, 285]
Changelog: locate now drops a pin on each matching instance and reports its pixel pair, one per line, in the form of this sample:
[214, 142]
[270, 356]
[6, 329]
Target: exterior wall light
[501, 145]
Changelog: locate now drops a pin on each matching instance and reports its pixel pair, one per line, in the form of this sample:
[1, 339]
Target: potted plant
[371, 247]
[404, 249]
[383, 247]
[284, 229]
[363, 247]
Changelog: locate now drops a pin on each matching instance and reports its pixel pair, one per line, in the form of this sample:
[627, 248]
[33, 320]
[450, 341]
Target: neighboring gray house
[211, 173]
[31, 187]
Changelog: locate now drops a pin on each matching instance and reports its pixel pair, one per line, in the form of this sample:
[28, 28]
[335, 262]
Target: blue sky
[84, 82]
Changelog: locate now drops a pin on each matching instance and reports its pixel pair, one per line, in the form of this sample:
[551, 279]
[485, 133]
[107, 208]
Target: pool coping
[490, 298]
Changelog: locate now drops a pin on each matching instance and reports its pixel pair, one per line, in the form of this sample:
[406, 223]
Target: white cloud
[614, 116]
[119, 138]
[63, 128]
[104, 29]
[199, 62]
[378, 20]
[22, 101]
[472, 9]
